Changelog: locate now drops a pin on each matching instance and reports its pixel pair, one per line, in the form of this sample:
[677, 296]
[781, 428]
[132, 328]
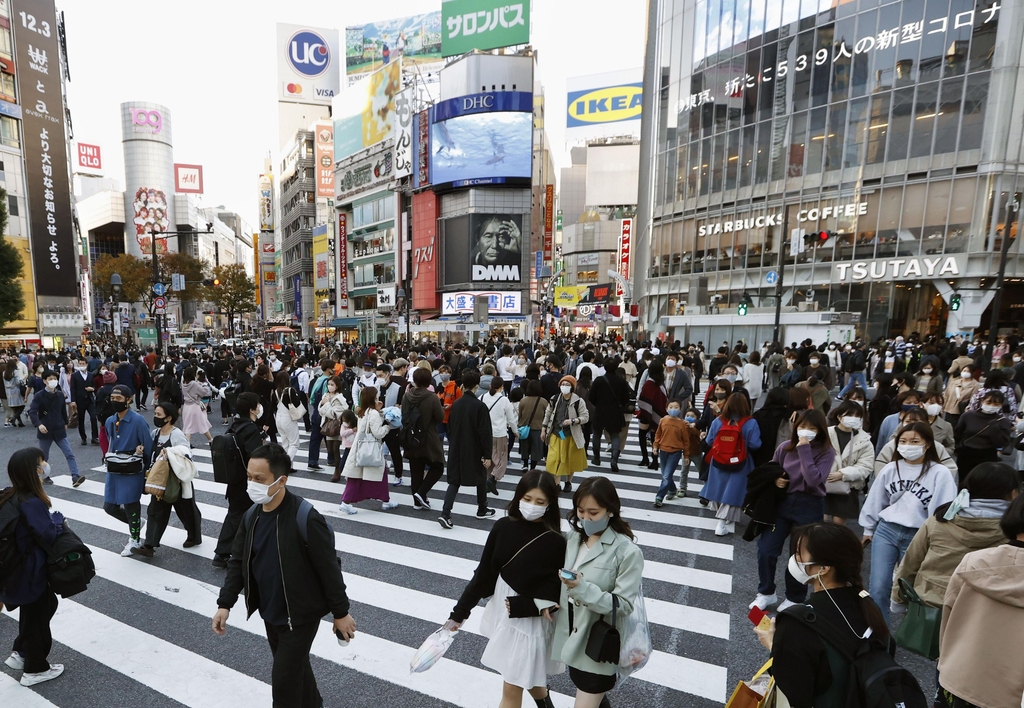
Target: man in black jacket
[83, 398]
[469, 457]
[284, 561]
[49, 414]
[249, 437]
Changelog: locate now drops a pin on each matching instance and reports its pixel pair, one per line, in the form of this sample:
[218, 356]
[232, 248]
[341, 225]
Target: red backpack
[729, 450]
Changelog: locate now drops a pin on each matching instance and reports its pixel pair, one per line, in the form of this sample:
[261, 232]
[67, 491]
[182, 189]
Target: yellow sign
[568, 296]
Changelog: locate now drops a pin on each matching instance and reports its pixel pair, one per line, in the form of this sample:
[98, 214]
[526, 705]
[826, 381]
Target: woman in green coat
[606, 561]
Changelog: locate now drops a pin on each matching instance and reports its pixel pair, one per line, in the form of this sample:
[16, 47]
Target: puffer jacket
[856, 462]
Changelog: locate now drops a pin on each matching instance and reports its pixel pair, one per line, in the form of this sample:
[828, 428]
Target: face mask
[531, 512]
[852, 422]
[933, 409]
[674, 412]
[814, 362]
[799, 572]
[806, 434]
[592, 528]
[907, 406]
[690, 419]
[44, 469]
[1016, 359]
[258, 492]
[118, 406]
[159, 422]
[990, 409]
[566, 389]
[670, 364]
[831, 348]
[51, 384]
[720, 395]
[81, 367]
[791, 361]
[259, 411]
[103, 371]
[522, 361]
[965, 374]
[731, 378]
[332, 388]
[911, 452]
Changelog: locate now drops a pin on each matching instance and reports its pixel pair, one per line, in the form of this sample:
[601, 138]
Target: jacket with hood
[856, 461]
[431, 415]
[937, 549]
[982, 623]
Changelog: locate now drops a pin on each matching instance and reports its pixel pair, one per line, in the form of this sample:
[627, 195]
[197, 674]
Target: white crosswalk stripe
[400, 563]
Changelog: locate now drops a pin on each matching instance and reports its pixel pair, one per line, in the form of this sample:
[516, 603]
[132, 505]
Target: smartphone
[341, 641]
[568, 574]
[756, 614]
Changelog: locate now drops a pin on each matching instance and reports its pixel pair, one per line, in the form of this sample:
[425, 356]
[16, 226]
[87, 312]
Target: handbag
[124, 463]
[524, 430]
[753, 693]
[73, 419]
[604, 642]
[331, 428]
[368, 452]
[919, 631]
[296, 413]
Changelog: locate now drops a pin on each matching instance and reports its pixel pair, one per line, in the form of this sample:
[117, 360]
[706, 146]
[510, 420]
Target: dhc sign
[898, 269]
[604, 105]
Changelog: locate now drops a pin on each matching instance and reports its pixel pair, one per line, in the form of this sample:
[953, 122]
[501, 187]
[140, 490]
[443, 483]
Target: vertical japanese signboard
[549, 220]
[421, 150]
[324, 159]
[45, 148]
[403, 134]
[343, 260]
[625, 246]
[297, 291]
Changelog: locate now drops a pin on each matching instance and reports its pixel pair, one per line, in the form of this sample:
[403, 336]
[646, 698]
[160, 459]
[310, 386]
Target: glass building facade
[888, 125]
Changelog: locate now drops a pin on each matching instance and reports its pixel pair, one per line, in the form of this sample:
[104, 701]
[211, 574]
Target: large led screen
[483, 248]
[481, 148]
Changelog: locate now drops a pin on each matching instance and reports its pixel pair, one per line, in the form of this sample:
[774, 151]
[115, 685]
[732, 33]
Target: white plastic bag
[431, 651]
[636, 646]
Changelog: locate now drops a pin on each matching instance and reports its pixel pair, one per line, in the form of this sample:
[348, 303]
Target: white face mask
[965, 374]
[1016, 359]
[51, 384]
[44, 469]
[670, 364]
[531, 512]
[852, 422]
[566, 389]
[259, 411]
[933, 409]
[799, 572]
[258, 492]
[806, 434]
[911, 452]
[814, 362]
[927, 371]
[990, 409]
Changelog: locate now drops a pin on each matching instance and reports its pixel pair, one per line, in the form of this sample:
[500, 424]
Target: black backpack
[412, 435]
[69, 567]
[348, 380]
[228, 461]
[10, 559]
[875, 679]
[294, 381]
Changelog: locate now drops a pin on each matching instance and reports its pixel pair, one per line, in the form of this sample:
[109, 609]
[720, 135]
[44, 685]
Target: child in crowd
[348, 435]
[669, 444]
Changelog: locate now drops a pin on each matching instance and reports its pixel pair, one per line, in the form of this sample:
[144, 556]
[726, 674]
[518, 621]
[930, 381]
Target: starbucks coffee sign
[910, 268]
[815, 214]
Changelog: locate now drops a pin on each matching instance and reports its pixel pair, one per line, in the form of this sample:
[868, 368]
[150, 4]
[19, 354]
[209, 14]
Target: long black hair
[25, 482]
[607, 498]
[535, 479]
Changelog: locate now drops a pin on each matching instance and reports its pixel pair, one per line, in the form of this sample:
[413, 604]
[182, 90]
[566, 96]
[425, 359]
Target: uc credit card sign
[610, 104]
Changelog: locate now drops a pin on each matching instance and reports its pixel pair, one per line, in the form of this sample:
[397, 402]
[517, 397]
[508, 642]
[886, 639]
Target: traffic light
[207, 282]
[818, 238]
[745, 302]
[954, 302]
[216, 282]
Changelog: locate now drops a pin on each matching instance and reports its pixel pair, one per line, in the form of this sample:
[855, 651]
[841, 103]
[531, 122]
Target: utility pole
[783, 243]
[997, 300]
[157, 318]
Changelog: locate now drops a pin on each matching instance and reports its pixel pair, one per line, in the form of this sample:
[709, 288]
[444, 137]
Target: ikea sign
[611, 104]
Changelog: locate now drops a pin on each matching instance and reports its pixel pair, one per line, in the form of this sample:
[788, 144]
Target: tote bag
[919, 631]
[368, 451]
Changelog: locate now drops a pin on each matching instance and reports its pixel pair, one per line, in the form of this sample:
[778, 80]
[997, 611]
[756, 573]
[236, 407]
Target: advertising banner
[602, 105]
[360, 175]
[568, 296]
[483, 24]
[321, 260]
[424, 250]
[415, 39]
[364, 114]
[324, 159]
[343, 259]
[89, 158]
[45, 149]
[297, 291]
[188, 179]
[150, 216]
[257, 274]
[266, 202]
[498, 303]
[549, 220]
[587, 259]
[421, 150]
[625, 248]
[308, 66]
[385, 298]
[598, 293]
[483, 248]
[403, 132]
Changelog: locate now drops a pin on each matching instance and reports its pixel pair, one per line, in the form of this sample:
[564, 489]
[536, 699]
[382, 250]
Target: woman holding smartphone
[602, 563]
[518, 571]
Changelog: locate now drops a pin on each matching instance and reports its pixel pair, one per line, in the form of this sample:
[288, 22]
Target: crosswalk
[146, 622]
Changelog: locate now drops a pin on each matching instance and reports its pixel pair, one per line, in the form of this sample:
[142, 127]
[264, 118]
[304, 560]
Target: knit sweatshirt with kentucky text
[906, 494]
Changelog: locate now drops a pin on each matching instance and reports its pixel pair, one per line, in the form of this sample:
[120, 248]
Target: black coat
[610, 395]
[763, 498]
[469, 441]
[79, 395]
[431, 415]
[50, 409]
[768, 420]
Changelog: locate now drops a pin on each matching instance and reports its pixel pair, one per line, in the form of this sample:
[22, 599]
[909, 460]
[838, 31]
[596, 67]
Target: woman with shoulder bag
[606, 567]
[980, 434]
[532, 411]
[563, 428]
[193, 412]
[27, 587]
[503, 418]
[288, 414]
[364, 468]
[852, 465]
[330, 408]
[519, 572]
[961, 387]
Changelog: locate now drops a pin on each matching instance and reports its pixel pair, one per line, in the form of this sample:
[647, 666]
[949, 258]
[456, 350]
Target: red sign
[625, 245]
[549, 221]
[343, 258]
[89, 157]
[425, 251]
[268, 248]
[188, 179]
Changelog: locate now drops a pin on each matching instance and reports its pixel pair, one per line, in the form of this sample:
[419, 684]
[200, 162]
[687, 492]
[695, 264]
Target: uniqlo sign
[89, 157]
[625, 245]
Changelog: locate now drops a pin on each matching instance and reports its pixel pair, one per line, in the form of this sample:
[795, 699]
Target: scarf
[976, 508]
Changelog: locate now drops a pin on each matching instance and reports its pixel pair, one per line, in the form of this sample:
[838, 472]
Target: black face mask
[118, 406]
[159, 422]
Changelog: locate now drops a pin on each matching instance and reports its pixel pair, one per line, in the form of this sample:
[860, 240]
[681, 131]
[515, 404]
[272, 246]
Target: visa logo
[605, 105]
[325, 92]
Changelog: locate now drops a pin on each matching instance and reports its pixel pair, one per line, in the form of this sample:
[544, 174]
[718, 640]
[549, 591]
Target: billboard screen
[364, 114]
[483, 248]
[483, 24]
[308, 66]
[266, 202]
[416, 40]
[321, 260]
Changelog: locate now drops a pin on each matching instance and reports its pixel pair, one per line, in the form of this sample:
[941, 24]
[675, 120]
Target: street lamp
[115, 285]
[115, 297]
[403, 308]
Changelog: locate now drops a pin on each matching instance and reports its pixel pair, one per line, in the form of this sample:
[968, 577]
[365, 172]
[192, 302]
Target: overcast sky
[212, 63]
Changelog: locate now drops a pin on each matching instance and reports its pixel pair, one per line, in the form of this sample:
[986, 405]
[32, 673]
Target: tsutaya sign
[899, 268]
[759, 222]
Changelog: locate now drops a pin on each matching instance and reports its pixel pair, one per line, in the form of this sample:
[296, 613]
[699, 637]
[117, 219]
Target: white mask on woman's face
[933, 409]
[852, 422]
[965, 374]
[806, 434]
[531, 512]
[911, 453]
[566, 389]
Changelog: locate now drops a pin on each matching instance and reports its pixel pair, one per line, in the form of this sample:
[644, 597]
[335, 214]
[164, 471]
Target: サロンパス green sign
[483, 24]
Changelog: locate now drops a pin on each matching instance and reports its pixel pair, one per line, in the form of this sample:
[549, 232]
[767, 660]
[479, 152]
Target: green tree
[194, 269]
[235, 293]
[136, 278]
[12, 298]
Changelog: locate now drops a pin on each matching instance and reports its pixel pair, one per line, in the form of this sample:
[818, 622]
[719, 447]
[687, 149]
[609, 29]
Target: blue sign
[540, 262]
[771, 278]
[10, 109]
[308, 53]
[491, 102]
[297, 286]
[159, 289]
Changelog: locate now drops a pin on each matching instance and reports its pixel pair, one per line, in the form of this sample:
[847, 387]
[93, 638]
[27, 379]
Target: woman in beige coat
[366, 482]
[607, 563]
[331, 406]
[563, 430]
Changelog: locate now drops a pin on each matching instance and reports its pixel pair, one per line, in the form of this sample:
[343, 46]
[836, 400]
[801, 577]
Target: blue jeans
[888, 545]
[796, 509]
[65, 447]
[856, 379]
[669, 461]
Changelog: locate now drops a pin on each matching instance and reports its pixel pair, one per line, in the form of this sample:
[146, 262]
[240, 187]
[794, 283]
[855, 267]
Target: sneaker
[94, 442]
[485, 513]
[421, 501]
[78, 481]
[348, 509]
[53, 672]
[567, 486]
[722, 529]
[144, 551]
[190, 544]
[219, 561]
[763, 602]
[396, 481]
[703, 501]
[446, 522]
[670, 496]
[8, 424]
[492, 486]
[129, 548]
[388, 505]
[313, 467]
[47, 480]
[658, 501]
[784, 604]
[15, 661]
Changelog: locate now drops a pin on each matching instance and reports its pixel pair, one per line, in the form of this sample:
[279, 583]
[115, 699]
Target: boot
[615, 463]
[544, 702]
[336, 477]
[605, 703]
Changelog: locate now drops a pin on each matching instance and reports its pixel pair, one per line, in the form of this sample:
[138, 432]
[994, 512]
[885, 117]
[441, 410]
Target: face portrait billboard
[483, 248]
[150, 219]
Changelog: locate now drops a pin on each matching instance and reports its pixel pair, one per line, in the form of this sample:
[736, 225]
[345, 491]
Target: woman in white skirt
[193, 412]
[289, 404]
[519, 572]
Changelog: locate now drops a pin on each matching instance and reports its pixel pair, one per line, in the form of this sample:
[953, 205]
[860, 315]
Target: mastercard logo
[294, 88]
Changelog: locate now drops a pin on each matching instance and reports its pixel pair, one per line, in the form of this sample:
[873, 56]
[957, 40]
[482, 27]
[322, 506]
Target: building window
[12, 205]
[9, 132]
[7, 88]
